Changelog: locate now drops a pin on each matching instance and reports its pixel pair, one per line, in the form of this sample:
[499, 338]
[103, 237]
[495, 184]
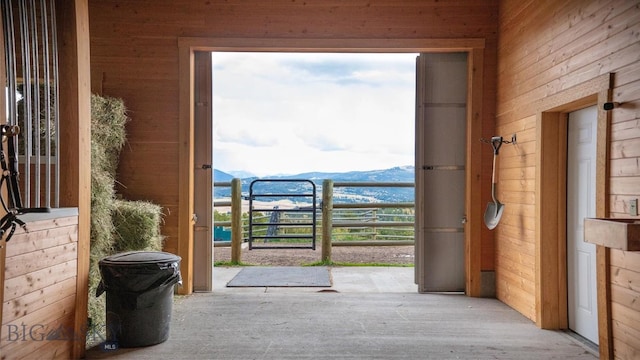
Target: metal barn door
[441, 122]
[581, 203]
[203, 176]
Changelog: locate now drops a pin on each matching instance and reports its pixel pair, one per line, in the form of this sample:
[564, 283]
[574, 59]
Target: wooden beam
[185, 168]
[551, 144]
[75, 141]
[330, 45]
[603, 258]
[561, 231]
[473, 226]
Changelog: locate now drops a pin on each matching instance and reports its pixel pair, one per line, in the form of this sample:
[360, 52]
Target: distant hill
[397, 174]
[241, 174]
[341, 194]
[221, 176]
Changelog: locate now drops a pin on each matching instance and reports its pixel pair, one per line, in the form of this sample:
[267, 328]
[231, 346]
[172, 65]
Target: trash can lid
[137, 258]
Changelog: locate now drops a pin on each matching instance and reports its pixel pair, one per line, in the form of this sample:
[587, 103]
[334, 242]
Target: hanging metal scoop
[494, 209]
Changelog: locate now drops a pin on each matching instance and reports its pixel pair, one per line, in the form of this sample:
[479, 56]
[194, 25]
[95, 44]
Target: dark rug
[282, 276]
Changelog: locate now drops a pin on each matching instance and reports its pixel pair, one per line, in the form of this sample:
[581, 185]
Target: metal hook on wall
[500, 139]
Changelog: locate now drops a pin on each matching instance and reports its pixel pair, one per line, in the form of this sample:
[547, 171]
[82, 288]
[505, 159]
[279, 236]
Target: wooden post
[374, 218]
[603, 254]
[327, 219]
[186, 166]
[75, 143]
[236, 220]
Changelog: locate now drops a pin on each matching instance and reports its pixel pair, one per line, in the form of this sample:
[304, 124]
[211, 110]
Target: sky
[291, 113]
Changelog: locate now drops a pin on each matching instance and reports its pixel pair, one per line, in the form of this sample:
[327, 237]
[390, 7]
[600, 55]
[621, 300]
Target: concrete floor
[368, 313]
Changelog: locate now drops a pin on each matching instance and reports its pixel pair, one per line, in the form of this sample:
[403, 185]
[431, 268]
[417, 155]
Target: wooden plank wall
[546, 47]
[625, 303]
[134, 56]
[40, 290]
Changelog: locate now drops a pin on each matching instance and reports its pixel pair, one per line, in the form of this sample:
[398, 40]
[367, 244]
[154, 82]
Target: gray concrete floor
[368, 313]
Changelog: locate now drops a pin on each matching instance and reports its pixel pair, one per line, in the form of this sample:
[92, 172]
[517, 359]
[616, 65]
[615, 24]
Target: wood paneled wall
[40, 291]
[134, 56]
[546, 47]
[625, 303]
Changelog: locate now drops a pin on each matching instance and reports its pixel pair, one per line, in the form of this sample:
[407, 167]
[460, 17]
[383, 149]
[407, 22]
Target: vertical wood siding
[546, 47]
[40, 290]
[134, 55]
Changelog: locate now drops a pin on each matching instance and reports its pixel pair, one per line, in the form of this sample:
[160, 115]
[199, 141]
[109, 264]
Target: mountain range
[341, 194]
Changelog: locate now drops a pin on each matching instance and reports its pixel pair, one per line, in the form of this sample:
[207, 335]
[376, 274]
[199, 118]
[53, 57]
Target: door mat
[282, 276]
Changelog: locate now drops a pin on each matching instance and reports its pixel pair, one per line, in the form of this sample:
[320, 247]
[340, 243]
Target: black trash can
[139, 287]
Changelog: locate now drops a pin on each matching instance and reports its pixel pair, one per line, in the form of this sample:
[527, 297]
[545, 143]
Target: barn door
[581, 203]
[203, 175]
[441, 122]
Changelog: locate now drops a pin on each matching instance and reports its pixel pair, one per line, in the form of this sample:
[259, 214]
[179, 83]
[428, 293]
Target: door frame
[551, 204]
[187, 46]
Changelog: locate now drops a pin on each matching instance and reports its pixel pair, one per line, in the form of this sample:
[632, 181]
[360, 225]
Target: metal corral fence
[342, 223]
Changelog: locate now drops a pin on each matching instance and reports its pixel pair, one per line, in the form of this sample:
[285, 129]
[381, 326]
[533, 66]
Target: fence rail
[342, 224]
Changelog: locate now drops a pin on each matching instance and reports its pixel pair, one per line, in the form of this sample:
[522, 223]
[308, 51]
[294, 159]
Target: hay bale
[137, 226]
[101, 239]
[102, 206]
[108, 119]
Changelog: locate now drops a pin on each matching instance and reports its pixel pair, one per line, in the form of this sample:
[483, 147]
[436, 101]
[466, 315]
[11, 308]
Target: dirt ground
[346, 254]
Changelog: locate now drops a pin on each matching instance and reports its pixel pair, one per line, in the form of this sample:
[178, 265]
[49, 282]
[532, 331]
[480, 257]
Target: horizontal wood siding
[546, 47]
[40, 290]
[625, 307]
[134, 56]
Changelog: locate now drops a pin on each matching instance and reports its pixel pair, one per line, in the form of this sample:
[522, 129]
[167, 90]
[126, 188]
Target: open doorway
[342, 116]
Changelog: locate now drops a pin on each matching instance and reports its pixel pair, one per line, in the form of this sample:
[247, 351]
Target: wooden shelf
[621, 234]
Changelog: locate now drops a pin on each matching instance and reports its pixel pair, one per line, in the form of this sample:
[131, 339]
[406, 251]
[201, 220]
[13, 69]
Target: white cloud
[277, 113]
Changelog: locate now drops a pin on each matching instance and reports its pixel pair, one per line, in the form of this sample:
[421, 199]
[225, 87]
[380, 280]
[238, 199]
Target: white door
[441, 122]
[581, 203]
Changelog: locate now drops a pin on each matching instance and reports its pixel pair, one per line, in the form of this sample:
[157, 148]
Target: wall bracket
[513, 140]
